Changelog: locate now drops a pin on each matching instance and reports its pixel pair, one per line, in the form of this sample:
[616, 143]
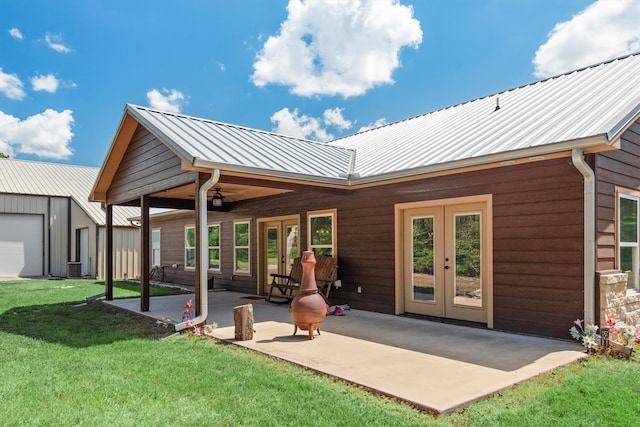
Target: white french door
[278, 248]
[445, 261]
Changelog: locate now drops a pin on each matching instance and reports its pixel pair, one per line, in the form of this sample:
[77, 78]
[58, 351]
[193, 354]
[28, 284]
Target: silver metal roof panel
[203, 141]
[574, 106]
[21, 177]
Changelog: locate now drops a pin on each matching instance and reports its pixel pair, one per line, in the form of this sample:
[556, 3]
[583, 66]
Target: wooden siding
[620, 168]
[147, 166]
[537, 224]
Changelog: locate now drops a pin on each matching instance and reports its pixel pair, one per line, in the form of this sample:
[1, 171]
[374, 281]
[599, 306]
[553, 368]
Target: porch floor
[434, 366]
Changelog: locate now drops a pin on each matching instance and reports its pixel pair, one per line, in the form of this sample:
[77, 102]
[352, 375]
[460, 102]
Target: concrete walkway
[434, 366]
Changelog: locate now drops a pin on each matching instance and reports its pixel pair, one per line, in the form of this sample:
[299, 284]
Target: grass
[67, 363]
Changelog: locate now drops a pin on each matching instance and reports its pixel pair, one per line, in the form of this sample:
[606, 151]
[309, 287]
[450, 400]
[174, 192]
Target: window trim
[247, 247]
[630, 195]
[219, 247]
[333, 213]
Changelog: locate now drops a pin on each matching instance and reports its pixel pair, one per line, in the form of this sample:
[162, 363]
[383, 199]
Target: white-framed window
[213, 234]
[322, 232]
[628, 237]
[155, 246]
[242, 246]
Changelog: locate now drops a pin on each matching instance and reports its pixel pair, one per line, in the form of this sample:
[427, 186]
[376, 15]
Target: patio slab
[434, 366]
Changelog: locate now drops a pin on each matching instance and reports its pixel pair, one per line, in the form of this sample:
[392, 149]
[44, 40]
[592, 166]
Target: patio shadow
[78, 325]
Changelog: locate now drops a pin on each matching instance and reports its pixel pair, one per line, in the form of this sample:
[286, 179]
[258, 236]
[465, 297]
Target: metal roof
[23, 177]
[235, 148]
[537, 118]
[584, 109]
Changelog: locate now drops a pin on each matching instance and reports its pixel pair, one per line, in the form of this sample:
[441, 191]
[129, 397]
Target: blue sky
[315, 69]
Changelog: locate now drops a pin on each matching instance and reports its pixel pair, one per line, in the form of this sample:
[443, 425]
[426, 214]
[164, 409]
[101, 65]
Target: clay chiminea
[308, 309]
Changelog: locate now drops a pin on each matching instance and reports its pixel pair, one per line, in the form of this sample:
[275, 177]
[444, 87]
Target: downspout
[589, 233]
[203, 251]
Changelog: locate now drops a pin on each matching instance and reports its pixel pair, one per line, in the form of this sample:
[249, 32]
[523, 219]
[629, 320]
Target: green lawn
[67, 363]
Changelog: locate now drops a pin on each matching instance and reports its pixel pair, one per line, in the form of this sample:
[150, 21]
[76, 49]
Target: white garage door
[21, 245]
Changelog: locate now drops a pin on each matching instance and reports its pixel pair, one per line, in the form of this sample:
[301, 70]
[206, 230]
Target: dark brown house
[508, 210]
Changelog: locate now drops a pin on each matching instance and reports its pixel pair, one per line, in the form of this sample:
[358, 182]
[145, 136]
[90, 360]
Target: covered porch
[436, 367]
[161, 160]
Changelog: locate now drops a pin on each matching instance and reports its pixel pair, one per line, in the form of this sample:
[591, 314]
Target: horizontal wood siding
[147, 166]
[614, 168]
[538, 249]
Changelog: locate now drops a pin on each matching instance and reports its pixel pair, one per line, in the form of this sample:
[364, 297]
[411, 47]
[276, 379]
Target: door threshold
[445, 320]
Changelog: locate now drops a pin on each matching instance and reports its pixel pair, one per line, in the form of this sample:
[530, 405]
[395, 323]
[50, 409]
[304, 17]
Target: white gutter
[203, 251]
[589, 234]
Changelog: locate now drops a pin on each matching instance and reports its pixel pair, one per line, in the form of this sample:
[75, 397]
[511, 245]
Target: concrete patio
[434, 366]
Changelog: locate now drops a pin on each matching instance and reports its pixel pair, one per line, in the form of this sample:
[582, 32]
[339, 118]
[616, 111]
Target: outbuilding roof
[29, 178]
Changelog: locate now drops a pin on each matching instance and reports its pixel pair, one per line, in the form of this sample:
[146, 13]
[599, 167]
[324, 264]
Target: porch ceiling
[231, 192]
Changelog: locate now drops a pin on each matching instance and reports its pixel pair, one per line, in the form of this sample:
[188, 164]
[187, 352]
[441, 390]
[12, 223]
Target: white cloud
[343, 47]
[16, 33]
[47, 83]
[333, 117]
[55, 42]
[166, 100]
[11, 86]
[6, 149]
[291, 123]
[46, 135]
[605, 30]
[380, 122]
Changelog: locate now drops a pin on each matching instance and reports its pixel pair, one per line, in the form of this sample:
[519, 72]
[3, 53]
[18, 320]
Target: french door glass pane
[292, 245]
[272, 250]
[468, 283]
[423, 259]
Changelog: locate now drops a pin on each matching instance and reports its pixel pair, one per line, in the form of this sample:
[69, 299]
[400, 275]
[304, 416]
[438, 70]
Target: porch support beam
[109, 254]
[145, 265]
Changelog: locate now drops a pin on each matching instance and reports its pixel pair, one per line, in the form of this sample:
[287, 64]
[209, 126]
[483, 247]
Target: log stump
[243, 320]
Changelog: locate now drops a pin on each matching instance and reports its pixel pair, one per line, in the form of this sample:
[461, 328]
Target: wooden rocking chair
[326, 270]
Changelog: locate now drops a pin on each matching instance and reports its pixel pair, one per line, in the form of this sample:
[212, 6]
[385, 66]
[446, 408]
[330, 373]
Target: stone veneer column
[615, 300]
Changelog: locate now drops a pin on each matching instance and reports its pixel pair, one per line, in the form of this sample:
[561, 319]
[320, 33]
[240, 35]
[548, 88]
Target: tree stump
[243, 320]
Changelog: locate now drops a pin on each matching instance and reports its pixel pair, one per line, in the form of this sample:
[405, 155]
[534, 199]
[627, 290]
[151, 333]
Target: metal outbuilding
[48, 227]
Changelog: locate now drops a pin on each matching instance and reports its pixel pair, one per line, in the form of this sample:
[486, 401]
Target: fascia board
[583, 143]
[207, 164]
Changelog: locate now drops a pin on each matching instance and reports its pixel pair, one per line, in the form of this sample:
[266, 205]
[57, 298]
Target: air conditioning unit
[74, 270]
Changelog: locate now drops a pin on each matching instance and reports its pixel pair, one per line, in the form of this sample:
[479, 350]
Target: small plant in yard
[622, 332]
[187, 316]
[616, 337]
[587, 334]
